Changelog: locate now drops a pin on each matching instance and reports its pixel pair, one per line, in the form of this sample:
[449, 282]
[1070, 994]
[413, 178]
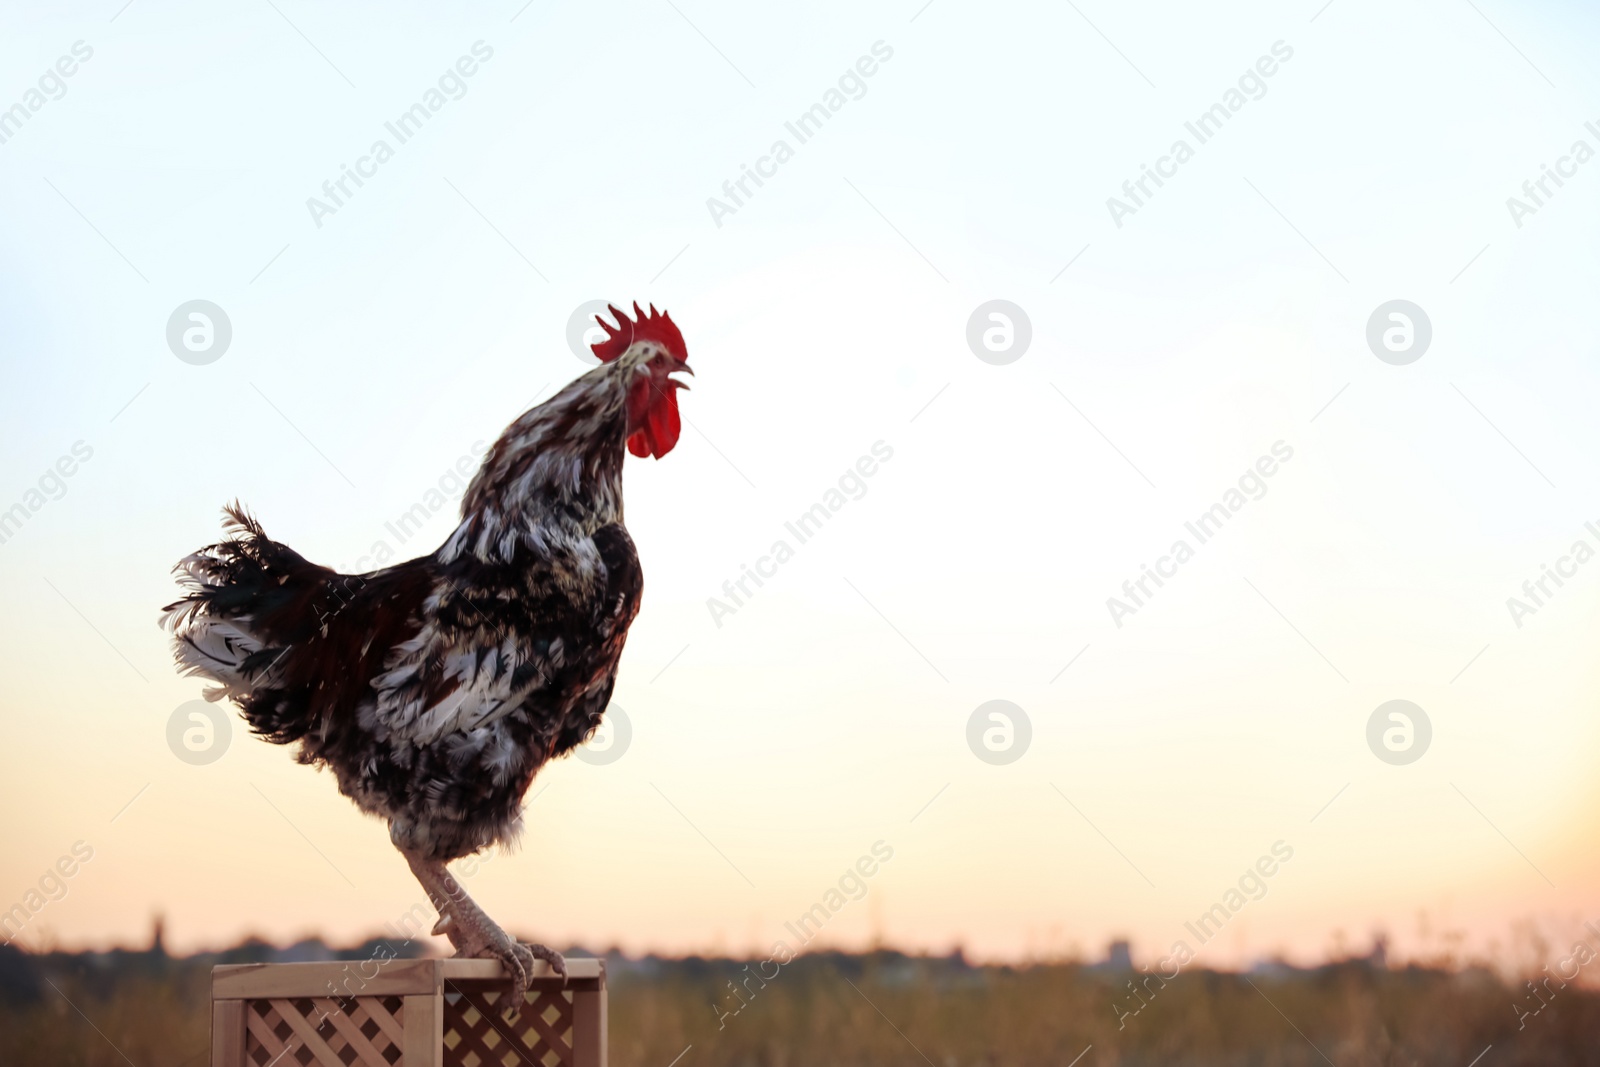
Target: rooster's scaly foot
[518, 960]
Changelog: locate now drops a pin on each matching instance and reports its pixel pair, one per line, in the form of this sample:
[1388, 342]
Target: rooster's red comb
[657, 326]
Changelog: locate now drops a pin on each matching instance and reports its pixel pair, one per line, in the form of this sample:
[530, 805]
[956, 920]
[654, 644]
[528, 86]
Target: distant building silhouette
[1378, 958]
[1119, 958]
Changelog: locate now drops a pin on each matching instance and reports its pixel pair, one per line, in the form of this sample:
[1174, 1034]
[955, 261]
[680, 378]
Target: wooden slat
[307, 1034]
[424, 1037]
[553, 1034]
[397, 978]
[520, 1037]
[227, 1033]
[262, 1029]
[470, 1037]
[374, 1009]
[349, 1027]
[589, 1026]
[418, 1033]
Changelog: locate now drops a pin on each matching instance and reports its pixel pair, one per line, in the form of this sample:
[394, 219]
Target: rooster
[436, 689]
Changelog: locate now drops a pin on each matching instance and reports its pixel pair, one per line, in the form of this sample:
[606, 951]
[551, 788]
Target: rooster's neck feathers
[554, 476]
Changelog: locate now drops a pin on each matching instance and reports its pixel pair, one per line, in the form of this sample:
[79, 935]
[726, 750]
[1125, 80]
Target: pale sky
[375, 346]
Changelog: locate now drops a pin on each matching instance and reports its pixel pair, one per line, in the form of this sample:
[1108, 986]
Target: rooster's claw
[517, 959]
[557, 962]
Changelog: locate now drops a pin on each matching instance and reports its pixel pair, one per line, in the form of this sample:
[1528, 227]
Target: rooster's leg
[473, 933]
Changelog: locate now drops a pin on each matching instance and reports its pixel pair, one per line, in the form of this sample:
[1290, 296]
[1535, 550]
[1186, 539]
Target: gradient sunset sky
[374, 347]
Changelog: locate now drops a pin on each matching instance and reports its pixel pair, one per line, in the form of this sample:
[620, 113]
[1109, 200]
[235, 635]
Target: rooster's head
[648, 349]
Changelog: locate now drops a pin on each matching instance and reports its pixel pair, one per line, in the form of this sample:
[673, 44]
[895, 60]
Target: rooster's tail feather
[225, 583]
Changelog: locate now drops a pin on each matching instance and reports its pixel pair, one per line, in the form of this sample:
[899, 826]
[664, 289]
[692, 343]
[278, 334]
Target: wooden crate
[405, 1013]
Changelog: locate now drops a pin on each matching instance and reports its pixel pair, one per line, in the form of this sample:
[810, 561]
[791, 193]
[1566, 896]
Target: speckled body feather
[436, 689]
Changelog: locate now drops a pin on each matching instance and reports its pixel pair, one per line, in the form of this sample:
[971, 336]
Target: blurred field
[146, 1009]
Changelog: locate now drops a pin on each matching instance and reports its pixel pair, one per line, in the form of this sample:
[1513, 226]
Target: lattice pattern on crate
[477, 1033]
[325, 1032]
